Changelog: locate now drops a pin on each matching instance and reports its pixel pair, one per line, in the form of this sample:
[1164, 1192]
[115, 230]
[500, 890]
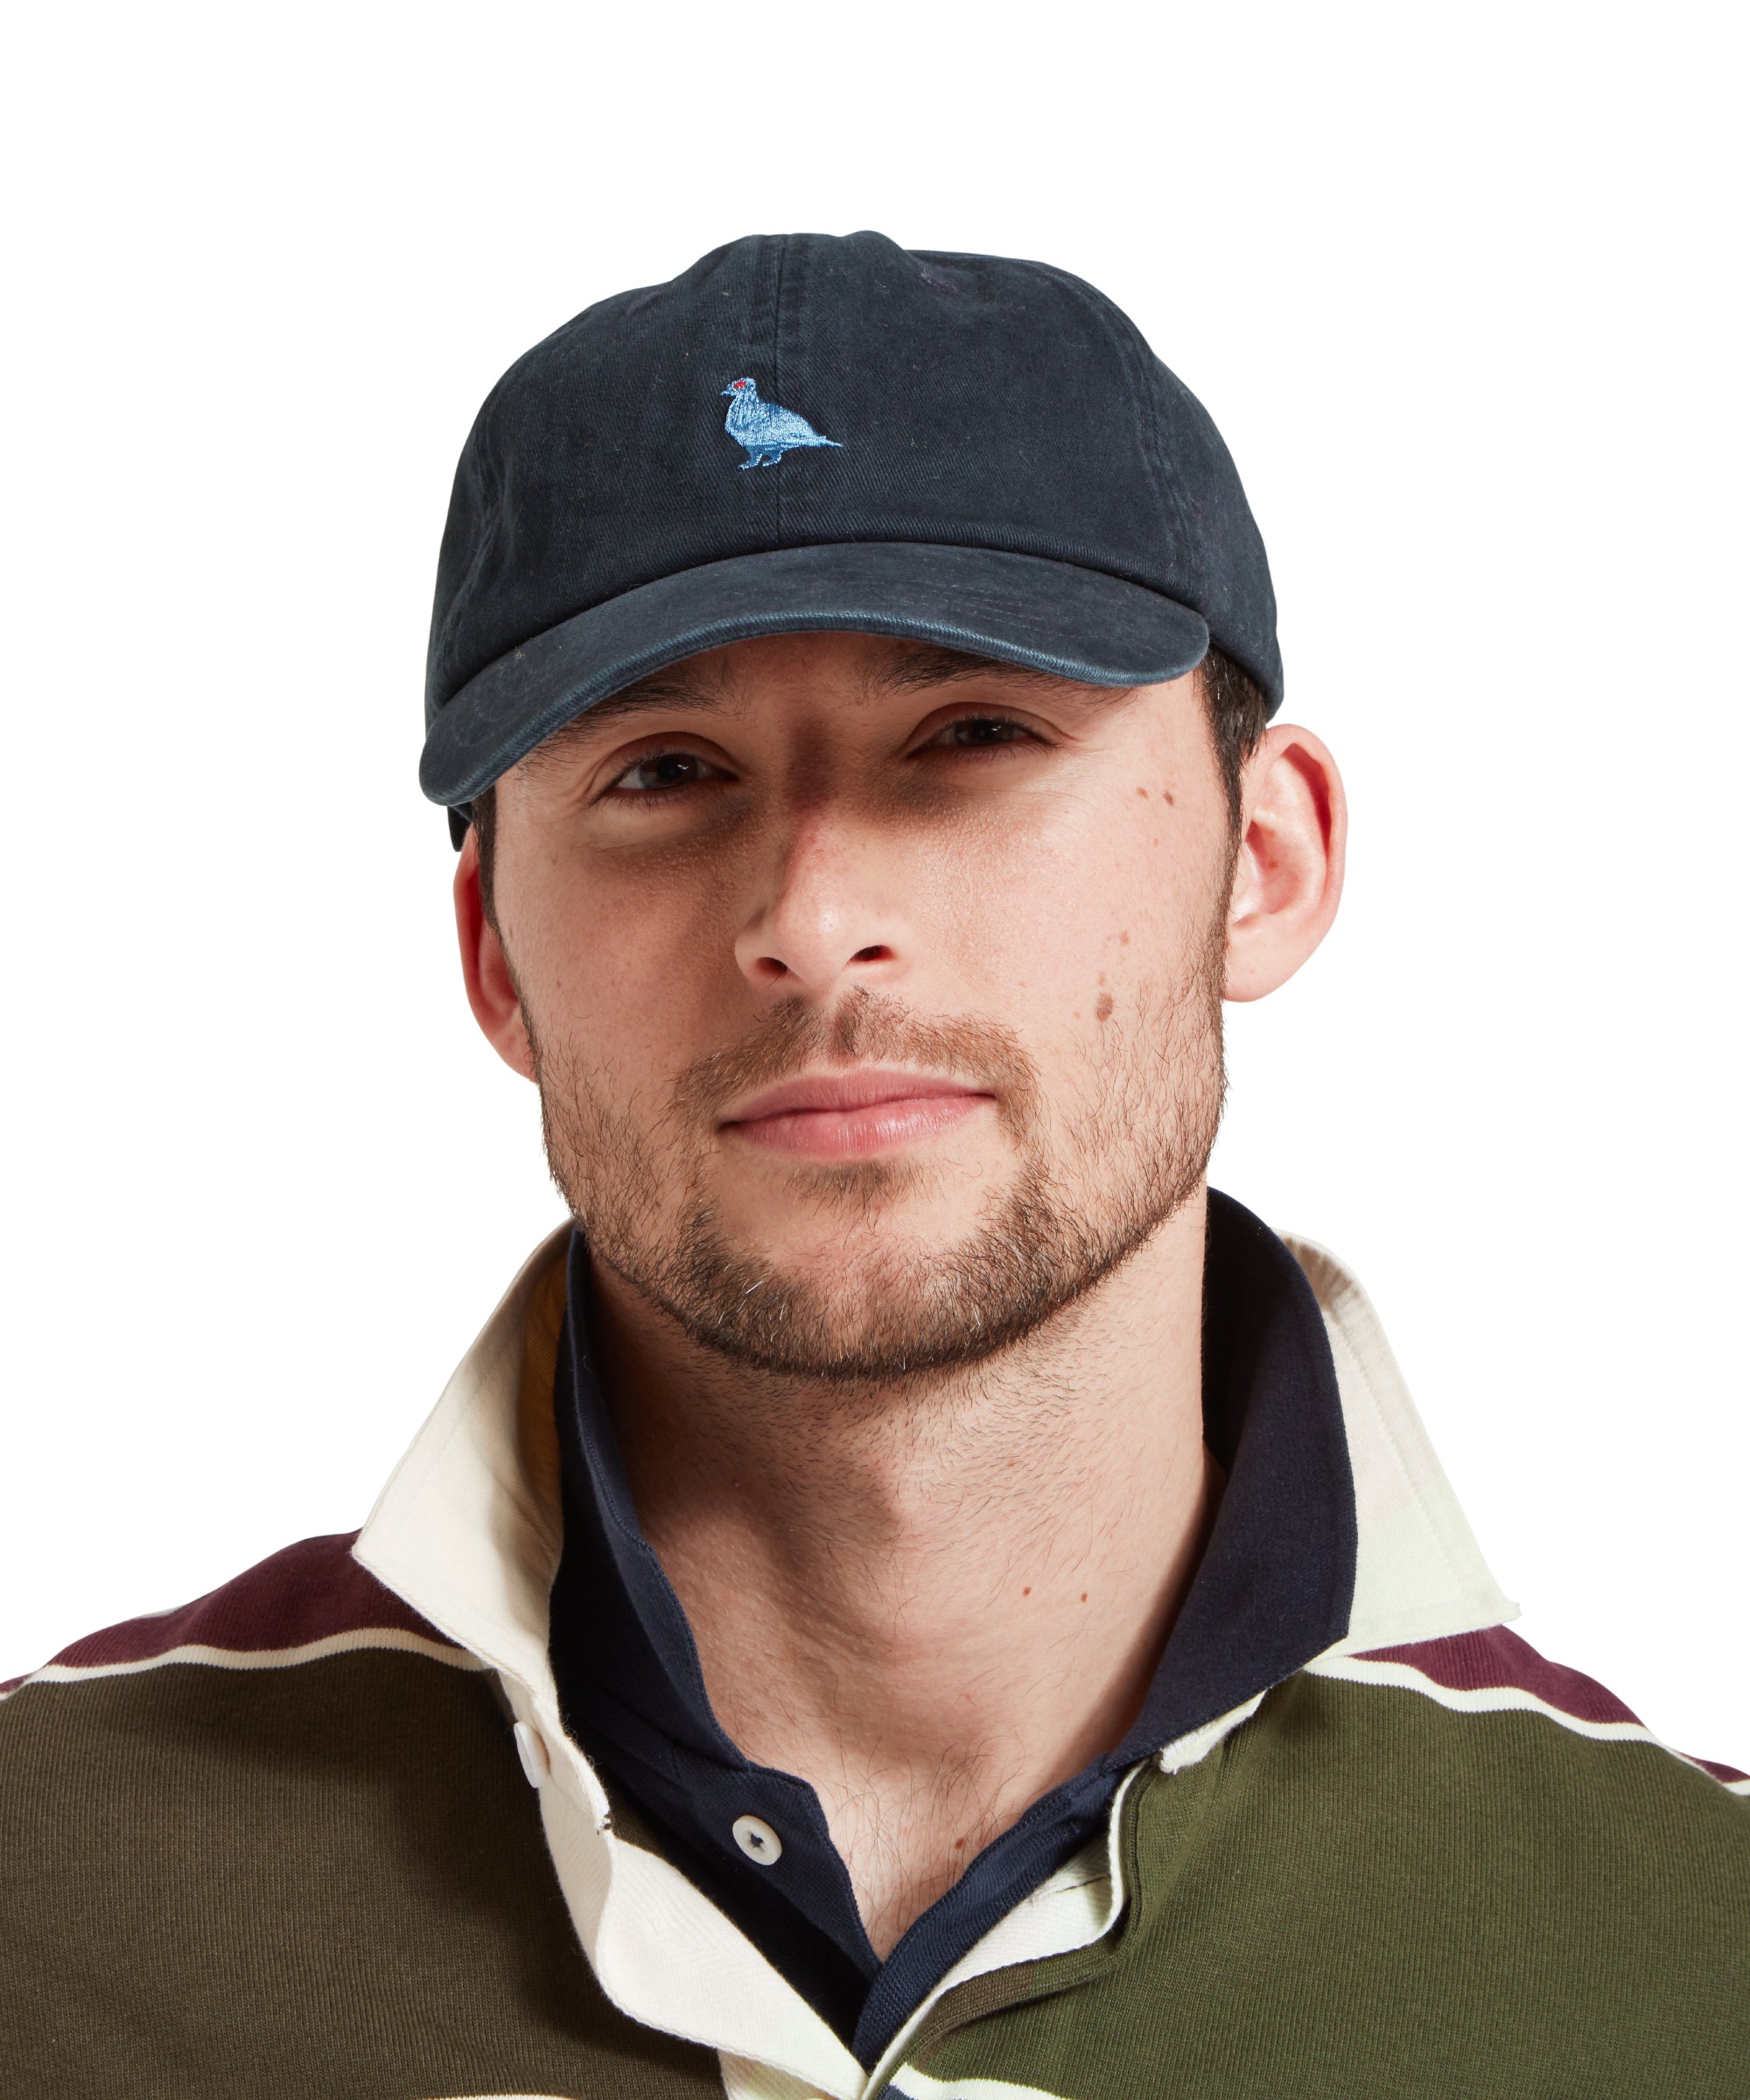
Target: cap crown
[967, 401]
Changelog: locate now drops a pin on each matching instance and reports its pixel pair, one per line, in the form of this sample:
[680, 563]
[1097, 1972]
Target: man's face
[874, 999]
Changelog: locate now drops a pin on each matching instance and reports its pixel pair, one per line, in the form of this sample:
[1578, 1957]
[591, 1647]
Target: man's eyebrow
[661, 690]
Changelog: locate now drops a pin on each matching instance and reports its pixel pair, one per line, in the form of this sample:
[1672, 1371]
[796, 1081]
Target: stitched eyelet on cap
[759, 1840]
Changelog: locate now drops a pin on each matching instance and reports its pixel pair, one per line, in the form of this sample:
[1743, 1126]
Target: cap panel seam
[1178, 496]
[1139, 363]
[484, 433]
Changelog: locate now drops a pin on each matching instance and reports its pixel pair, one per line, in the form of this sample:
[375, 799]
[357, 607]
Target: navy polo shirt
[1273, 1590]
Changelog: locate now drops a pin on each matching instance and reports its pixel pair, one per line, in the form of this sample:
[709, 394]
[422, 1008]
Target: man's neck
[937, 1604]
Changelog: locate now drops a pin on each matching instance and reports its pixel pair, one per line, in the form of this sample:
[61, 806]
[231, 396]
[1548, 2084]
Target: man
[975, 1611]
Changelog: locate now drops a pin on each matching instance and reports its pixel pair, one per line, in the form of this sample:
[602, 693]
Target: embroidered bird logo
[767, 431]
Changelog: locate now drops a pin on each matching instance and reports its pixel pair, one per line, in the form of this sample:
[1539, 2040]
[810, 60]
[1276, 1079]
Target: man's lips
[851, 1115]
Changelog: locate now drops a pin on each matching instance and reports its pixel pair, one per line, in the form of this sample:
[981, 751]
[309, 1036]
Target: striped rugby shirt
[324, 1832]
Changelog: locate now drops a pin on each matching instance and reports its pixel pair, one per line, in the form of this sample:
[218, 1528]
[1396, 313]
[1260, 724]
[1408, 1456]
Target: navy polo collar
[1273, 1589]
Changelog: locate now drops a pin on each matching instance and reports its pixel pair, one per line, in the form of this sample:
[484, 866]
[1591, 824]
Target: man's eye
[662, 769]
[979, 732]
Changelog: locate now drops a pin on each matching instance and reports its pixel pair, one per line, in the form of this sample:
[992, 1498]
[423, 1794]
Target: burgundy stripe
[304, 1592]
[1498, 1660]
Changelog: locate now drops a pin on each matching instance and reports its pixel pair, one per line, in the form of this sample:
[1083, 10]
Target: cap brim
[1050, 616]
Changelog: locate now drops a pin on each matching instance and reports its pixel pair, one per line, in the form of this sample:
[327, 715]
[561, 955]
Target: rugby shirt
[324, 1832]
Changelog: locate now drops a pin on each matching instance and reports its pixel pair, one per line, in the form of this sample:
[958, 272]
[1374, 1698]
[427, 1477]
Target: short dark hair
[1238, 712]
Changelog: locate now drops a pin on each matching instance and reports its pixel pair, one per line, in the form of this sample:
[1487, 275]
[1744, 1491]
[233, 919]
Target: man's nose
[826, 920]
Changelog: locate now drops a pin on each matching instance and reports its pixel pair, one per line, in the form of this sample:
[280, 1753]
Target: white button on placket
[533, 1752]
[759, 1840]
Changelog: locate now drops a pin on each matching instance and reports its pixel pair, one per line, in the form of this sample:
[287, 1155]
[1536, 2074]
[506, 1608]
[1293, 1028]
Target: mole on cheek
[1102, 1007]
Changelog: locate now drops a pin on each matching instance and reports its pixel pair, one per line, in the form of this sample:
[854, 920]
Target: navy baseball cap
[803, 432]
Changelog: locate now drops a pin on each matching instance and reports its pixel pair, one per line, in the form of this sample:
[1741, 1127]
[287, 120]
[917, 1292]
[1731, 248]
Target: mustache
[864, 1026]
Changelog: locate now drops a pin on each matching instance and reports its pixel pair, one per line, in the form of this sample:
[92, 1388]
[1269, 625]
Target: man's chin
[870, 1302]
[832, 1340]
[860, 1313]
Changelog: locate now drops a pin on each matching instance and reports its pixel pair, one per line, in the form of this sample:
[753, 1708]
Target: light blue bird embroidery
[767, 431]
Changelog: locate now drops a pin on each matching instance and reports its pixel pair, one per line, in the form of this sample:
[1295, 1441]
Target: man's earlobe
[486, 968]
[1289, 876]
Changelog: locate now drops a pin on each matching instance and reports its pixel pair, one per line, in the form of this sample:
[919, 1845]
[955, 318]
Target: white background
[1462, 286]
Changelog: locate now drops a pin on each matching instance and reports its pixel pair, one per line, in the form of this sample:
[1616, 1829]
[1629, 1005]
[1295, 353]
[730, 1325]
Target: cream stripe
[917, 2085]
[259, 1658]
[1492, 1698]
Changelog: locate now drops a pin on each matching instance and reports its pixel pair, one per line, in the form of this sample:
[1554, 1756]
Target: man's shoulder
[1471, 1694]
[303, 1604]
[1451, 1863]
[301, 1660]
[1474, 1761]
[279, 1840]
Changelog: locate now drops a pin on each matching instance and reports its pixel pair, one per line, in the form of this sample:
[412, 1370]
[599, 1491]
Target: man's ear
[486, 968]
[1289, 877]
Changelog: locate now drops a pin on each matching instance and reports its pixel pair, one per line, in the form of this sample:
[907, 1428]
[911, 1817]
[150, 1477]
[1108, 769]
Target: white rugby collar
[467, 1531]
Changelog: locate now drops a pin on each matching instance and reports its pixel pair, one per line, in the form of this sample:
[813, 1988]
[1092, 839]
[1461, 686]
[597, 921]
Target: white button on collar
[533, 1752]
[759, 1840]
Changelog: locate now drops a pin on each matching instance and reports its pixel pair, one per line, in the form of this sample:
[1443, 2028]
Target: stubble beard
[1094, 1180]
